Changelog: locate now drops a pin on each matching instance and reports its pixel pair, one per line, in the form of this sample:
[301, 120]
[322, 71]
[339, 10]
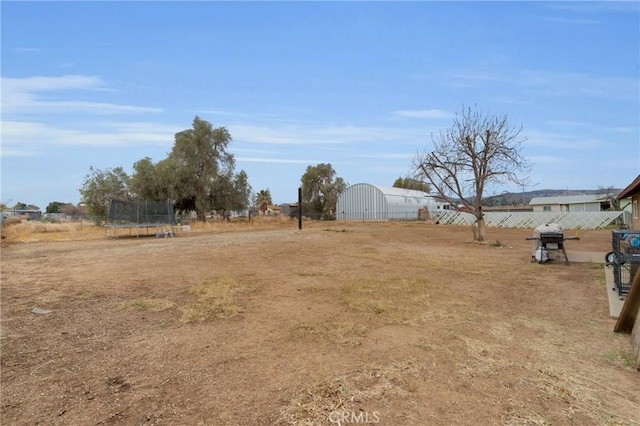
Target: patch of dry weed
[351, 392]
[217, 298]
[337, 332]
[153, 305]
[396, 300]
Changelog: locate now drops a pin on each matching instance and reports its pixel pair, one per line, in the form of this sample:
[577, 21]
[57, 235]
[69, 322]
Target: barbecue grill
[625, 259]
[549, 243]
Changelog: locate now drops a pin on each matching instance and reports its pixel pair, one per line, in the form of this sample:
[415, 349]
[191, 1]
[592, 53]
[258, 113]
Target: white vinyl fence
[568, 220]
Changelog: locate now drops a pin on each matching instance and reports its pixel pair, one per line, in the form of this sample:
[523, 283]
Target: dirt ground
[367, 323]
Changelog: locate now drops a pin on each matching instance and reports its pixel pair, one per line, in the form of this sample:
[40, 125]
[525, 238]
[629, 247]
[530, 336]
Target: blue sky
[360, 85]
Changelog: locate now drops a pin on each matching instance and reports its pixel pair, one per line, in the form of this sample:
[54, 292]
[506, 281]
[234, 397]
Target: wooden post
[300, 208]
[630, 308]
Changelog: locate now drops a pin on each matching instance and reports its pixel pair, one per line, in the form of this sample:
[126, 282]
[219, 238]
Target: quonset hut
[364, 201]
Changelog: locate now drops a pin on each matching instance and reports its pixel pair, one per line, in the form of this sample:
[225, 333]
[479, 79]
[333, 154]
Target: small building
[632, 192]
[364, 201]
[23, 214]
[571, 203]
[629, 319]
[272, 211]
[288, 209]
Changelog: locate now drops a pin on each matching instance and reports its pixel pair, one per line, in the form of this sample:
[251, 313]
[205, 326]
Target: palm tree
[263, 200]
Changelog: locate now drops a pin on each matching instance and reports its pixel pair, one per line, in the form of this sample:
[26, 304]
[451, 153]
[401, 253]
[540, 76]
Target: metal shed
[364, 201]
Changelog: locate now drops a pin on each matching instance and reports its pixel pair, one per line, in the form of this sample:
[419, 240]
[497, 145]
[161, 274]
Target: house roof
[630, 190]
[568, 199]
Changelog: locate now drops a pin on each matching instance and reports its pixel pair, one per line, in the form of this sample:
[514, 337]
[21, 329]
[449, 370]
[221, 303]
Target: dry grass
[352, 392]
[585, 397]
[153, 305]
[16, 230]
[395, 300]
[621, 357]
[337, 332]
[407, 321]
[242, 223]
[33, 231]
[217, 298]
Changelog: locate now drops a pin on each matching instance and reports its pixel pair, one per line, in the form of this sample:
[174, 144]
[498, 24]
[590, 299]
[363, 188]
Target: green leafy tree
[54, 207]
[22, 206]
[409, 183]
[242, 192]
[321, 189]
[263, 200]
[478, 150]
[102, 186]
[149, 181]
[229, 193]
[201, 164]
[197, 175]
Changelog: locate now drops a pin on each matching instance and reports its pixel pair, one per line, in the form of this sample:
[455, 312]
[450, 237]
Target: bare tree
[610, 194]
[478, 150]
[71, 210]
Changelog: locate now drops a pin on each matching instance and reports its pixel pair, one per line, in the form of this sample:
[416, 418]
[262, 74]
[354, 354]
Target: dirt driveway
[389, 323]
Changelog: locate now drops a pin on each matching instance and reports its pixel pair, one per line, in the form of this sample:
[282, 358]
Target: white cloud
[21, 138]
[558, 141]
[476, 76]
[579, 21]
[595, 7]
[545, 159]
[225, 113]
[312, 134]
[593, 127]
[425, 113]
[579, 84]
[23, 95]
[26, 49]
[534, 84]
[39, 84]
[389, 156]
[275, 160]
[513, 100]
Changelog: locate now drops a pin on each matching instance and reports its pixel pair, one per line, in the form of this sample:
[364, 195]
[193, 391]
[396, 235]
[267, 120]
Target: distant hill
[515, 198]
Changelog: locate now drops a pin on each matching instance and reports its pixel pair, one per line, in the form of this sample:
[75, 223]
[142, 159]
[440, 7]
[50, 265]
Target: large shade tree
[201, 159]
[102, 186]
[321, 189]
[197, 175]
[478, 150]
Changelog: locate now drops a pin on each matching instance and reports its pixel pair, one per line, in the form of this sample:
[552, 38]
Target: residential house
[633, 192]
[272, 211]
[571, 203]
[629, 319]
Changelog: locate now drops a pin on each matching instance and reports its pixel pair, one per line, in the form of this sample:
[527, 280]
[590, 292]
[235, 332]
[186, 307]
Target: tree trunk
[480, 233]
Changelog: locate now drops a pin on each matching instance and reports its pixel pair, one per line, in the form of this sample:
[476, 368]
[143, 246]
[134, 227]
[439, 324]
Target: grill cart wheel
[609, 258]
